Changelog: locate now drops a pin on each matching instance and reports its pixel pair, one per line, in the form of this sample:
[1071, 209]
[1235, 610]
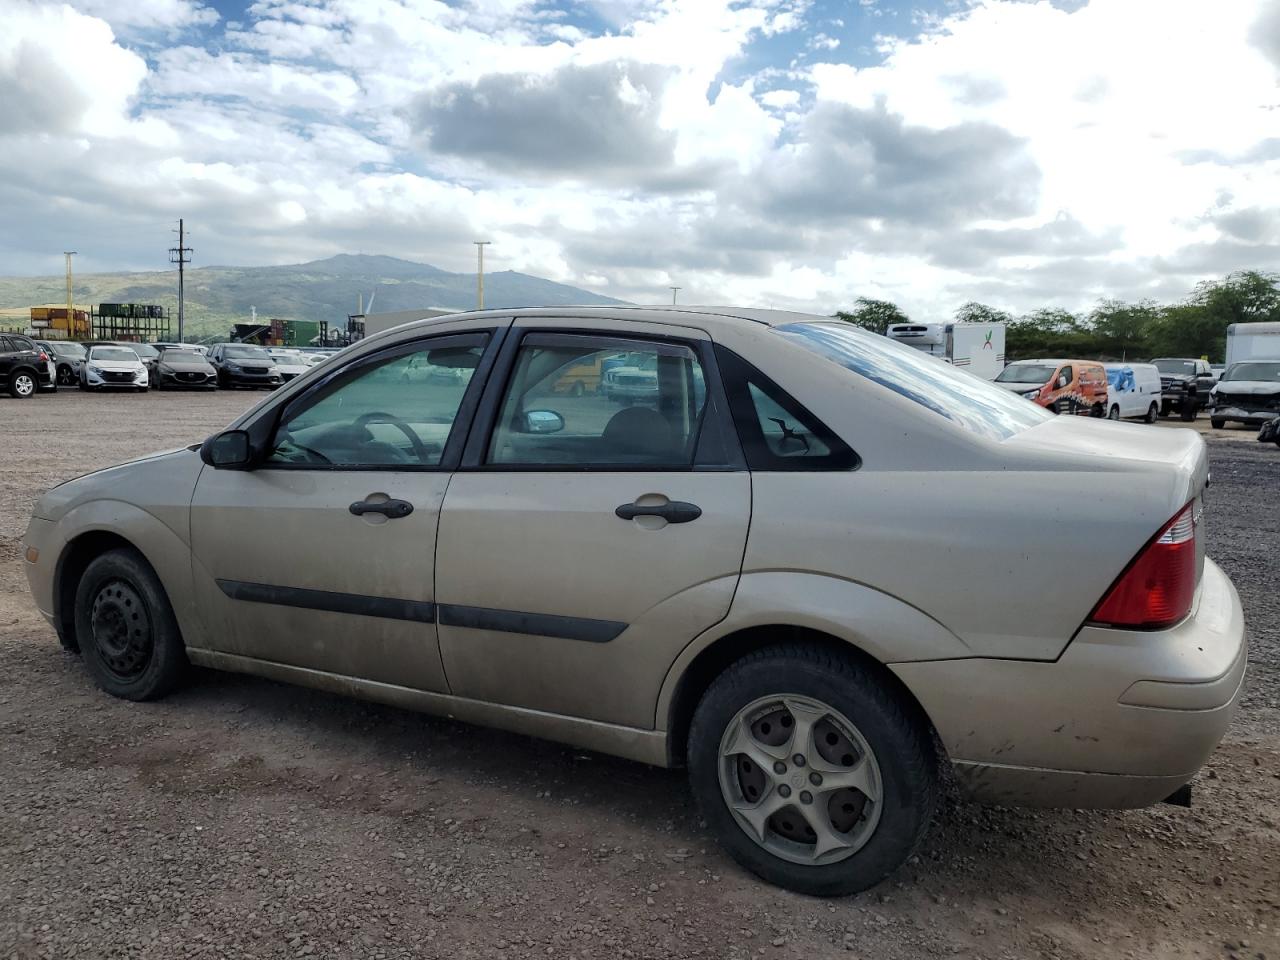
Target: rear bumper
[1121, 719]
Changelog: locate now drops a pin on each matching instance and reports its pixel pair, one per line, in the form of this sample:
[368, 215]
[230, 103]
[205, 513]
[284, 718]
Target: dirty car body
[746, 576]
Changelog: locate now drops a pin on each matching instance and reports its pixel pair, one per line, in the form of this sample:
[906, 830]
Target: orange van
[1063, 386]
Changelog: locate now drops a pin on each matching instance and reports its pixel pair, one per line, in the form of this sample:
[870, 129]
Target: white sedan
[113, 367]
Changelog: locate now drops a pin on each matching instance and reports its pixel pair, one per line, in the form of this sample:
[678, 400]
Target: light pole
[71, 307]
[674, 291]
[480, 245]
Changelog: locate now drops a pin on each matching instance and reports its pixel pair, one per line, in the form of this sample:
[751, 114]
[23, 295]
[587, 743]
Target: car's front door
[322, 555]
[587, 538]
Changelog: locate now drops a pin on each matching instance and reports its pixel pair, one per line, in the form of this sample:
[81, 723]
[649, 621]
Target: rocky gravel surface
[244, 818]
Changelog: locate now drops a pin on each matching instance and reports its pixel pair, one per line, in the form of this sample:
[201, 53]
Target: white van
[1133, 391]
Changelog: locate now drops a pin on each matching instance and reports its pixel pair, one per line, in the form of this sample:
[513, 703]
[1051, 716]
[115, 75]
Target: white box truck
[976, 347]
[1252, 341]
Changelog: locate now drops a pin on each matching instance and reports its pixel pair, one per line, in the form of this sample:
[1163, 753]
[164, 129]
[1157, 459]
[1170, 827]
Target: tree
[1198, 326]
[974, 312]
[1123, 331]
[873, 315]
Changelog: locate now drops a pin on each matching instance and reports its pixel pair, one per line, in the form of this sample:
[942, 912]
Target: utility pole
[181, 255]
[480, 245]
[71, 307]
[674, 291]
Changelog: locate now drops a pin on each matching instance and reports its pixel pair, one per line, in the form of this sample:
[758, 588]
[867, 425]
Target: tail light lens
[44, 357]
[1157, 587]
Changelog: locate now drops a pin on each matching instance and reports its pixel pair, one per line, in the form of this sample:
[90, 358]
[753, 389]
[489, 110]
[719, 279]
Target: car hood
[1256, 388]
[285, 366]
[187, 366]
[124, 481]
[118, 366]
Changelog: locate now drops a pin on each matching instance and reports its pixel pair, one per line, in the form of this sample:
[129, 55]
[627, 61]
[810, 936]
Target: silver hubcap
[24, 385]
[800, 779]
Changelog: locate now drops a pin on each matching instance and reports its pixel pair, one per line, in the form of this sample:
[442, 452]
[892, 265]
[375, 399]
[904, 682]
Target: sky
[787, 153]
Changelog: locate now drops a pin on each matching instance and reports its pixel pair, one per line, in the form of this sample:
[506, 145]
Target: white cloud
[1011, 150]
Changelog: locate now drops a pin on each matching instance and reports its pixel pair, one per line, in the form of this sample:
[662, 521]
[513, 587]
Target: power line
[181, 255]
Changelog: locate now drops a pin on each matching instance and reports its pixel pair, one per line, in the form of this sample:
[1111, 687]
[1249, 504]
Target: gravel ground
[244, 818]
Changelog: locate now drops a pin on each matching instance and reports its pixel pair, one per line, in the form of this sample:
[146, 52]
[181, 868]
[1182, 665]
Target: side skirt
[646, 746]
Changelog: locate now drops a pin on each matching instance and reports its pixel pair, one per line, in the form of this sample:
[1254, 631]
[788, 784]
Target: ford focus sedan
[812, 566]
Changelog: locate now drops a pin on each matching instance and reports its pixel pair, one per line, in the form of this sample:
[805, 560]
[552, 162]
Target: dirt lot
[243, 818]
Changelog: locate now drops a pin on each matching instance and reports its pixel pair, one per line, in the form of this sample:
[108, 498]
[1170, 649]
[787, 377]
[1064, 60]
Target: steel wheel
[122, 630]
[800, 779]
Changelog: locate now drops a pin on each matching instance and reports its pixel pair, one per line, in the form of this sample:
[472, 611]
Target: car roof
[710, 317]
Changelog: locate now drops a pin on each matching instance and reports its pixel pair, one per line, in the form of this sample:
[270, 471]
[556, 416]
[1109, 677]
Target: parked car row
[29, 366]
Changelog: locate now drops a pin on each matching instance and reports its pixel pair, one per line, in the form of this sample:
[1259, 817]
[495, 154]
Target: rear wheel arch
[72, 563]
[729, 649]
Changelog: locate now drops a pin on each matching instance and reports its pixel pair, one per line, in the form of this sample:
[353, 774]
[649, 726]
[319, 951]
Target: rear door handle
[673, 511]
[391, 509]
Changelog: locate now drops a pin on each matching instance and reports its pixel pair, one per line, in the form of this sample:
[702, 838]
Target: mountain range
[329, 289]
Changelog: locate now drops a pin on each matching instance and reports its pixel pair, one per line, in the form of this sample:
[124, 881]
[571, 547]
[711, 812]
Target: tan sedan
[809, 564]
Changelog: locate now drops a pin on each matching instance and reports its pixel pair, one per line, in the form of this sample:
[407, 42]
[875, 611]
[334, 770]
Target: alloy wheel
[24, 385]
[800, 779]
[122, 630]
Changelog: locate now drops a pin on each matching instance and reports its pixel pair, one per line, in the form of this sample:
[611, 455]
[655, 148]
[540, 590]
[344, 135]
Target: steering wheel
[377, 416]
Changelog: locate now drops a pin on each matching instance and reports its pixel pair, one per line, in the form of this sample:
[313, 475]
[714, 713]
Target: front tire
[1189, 411]
[814, 773]
[1216, 423]
[129, 639]
[1113, 413]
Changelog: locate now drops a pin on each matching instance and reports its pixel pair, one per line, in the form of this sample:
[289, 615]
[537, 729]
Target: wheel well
[711, 662]
[76, 557]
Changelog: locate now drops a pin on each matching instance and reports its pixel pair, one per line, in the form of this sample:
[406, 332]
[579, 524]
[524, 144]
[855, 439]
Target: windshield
[1026, 373]
[1175, 366]
[144, 350]
[1253, 371]
[969, 401]
[73, 350]
[182, 356]
[113, 353]
[240, 352]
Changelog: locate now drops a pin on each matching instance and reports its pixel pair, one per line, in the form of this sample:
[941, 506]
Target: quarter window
[395, 413]
[785, 436]
[582, 401]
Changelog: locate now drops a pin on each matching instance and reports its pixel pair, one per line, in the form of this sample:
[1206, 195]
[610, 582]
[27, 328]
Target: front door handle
[673, 511]
[391, 509]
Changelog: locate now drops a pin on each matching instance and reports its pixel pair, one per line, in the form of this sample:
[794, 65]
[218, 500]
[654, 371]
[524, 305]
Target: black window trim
[263, 430]
[715, 425]
[739, 373]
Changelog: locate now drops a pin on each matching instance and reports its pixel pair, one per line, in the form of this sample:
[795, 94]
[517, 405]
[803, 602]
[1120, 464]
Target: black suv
[244, 365]
[1184, 385]
[24, 367]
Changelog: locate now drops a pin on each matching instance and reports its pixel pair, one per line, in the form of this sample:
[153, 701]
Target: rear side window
[970, 402]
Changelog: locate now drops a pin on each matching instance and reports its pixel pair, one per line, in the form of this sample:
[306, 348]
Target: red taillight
[1157, 588]
[44, 357]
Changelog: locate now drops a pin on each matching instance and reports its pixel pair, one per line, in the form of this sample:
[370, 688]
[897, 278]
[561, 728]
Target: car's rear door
[583, 542]
[322, 557]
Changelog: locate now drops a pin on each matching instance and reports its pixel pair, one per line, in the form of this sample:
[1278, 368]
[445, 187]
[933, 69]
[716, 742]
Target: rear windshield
[113, 353]
[1253, 371]
[1026, 373]
[969, 401]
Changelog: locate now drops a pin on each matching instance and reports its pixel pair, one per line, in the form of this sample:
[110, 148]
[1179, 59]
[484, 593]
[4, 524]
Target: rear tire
[1153, 414]
[880, 737]
[129, 639]
[22, 385]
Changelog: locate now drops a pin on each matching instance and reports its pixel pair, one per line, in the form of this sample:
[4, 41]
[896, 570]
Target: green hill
[217, 297]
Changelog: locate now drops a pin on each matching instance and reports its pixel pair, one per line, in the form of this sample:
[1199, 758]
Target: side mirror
[542, 421]
[229, 450]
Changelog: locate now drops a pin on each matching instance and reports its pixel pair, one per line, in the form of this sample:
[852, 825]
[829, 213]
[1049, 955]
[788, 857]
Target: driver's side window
[393, 413]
